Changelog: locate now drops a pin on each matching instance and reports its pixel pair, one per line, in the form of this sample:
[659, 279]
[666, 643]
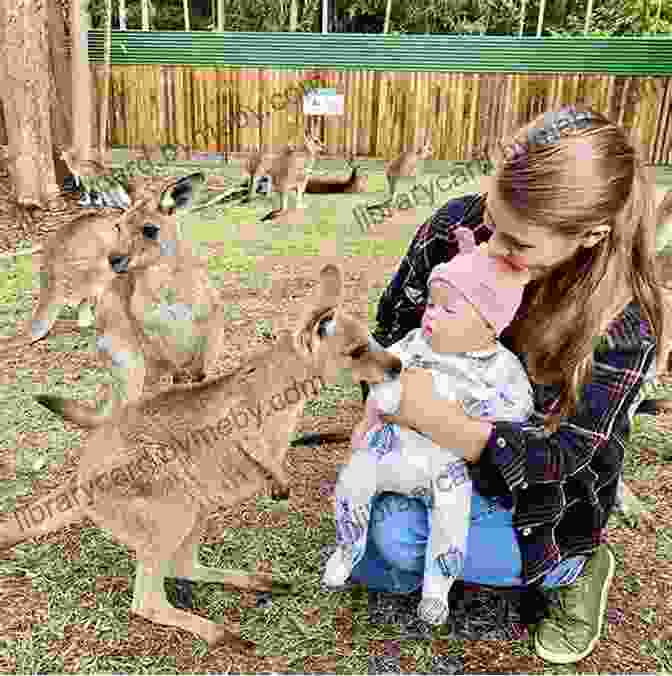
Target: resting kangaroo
[329, 184]
[201, 456]
[159, 311]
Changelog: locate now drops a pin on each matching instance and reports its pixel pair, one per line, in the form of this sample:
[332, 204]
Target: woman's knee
[399, 527]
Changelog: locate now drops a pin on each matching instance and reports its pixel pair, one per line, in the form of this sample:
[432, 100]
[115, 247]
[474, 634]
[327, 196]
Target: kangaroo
[74, 271]
[328, 185]
[290, 171]
[199, 456]
[156, 310]
[406, 165]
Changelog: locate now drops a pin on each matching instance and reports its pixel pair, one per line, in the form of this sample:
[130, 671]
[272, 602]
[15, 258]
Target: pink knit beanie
[490, 284]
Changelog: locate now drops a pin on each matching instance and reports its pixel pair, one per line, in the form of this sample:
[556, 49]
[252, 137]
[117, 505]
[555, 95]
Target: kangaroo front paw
[279, 491]
[222, 635]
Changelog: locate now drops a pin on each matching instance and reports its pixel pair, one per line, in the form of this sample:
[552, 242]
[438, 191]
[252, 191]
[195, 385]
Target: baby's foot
[433, 610]
[339, 567]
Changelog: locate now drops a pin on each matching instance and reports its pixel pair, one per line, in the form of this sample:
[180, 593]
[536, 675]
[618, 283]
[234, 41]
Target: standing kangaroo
[406, 165]
[74, 271]
[200, 456]
[290, 171]
[157, 311]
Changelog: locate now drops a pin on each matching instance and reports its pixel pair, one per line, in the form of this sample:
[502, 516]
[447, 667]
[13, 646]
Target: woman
[571, 201]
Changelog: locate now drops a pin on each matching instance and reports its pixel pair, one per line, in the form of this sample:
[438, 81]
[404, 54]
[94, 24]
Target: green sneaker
[574, 624]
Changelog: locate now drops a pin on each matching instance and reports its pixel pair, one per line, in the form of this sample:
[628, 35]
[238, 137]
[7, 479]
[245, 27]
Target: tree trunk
[589, 14]
[122, 15]
[81, 82]
[521, 30]
[293, 15]
[61, 104]
[27, 96]
[145, 14]
[542, 10]
[105, 97]
[388, 11]
[185, 7]
[220, 16]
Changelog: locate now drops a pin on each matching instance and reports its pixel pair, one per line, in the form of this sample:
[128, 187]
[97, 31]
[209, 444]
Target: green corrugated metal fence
[433, 53]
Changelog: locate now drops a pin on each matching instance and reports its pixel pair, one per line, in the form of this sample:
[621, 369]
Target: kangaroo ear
[180, 195]
[327, 297]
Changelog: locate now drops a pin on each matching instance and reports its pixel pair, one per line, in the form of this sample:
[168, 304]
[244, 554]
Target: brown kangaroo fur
[330, 185]
[290, 171]
[157, 311]
[199, 460]
[406, 164]
[74, 271]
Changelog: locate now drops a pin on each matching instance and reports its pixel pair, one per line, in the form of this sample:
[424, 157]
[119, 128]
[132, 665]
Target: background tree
[123, 19]
[144, 6]
[27, 89]
[105, 102]
[484, 17]
[388, 11]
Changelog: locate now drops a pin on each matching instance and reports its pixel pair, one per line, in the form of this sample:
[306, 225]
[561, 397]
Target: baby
[472, 299]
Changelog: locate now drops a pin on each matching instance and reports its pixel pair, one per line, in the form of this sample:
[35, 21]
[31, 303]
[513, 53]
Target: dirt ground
[310, 469]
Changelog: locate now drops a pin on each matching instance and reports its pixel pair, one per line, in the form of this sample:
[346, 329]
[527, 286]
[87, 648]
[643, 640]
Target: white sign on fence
[323, 102]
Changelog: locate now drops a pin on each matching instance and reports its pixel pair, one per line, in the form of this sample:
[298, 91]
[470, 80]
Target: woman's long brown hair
[590, 177]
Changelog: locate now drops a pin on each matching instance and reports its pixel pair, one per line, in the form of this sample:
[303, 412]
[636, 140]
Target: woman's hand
[443, 421]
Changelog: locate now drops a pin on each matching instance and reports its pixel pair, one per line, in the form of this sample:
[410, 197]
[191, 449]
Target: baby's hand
[370, 420]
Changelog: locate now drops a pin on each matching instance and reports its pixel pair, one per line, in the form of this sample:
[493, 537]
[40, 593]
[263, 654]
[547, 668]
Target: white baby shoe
[339, 567]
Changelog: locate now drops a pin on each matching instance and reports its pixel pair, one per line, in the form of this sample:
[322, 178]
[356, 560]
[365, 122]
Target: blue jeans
[394, 560]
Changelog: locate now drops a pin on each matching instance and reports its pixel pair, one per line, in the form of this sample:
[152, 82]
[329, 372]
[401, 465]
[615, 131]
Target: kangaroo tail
[59, 508]
[74, 411]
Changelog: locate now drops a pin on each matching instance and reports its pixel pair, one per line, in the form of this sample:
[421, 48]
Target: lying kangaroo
[406, 165]
[201, 456]
[157, 312]
[290, 171]
[329, 185]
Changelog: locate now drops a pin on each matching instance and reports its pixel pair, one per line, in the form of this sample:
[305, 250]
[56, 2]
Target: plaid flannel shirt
[562, 486]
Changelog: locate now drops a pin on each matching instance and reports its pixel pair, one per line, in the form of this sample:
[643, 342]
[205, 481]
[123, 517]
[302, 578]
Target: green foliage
[615, 18]
[480, 17]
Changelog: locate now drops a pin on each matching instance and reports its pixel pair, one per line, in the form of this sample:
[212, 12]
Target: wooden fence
[466, 113]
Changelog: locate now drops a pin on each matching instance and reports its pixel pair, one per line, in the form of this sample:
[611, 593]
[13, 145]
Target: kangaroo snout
[119, 263]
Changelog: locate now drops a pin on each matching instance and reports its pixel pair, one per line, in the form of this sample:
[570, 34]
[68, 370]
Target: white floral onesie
[490, 383]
